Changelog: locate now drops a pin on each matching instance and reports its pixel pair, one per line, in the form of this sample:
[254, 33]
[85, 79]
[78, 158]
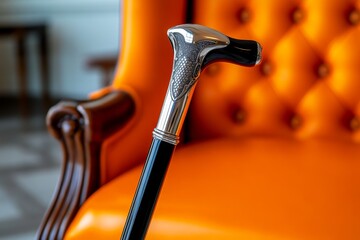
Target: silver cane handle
[196, 46]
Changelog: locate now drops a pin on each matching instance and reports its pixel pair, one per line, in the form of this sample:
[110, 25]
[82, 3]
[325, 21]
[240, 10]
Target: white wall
[78, 29]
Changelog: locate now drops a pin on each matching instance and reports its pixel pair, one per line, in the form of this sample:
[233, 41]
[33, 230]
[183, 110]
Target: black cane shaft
[148, 190]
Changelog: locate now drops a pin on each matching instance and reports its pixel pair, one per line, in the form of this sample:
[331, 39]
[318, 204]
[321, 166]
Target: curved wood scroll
[80, 127]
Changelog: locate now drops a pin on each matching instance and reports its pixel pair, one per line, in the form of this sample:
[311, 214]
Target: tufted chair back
[308, 84]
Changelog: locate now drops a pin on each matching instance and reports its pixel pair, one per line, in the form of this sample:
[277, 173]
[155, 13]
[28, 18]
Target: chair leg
[22, 71]
[44, 68]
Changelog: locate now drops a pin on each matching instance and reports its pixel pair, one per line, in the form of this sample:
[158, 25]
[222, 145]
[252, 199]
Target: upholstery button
[212, 70]
[297, 15]
[239, 116]
[323, 70]
[266, 68]
[295, 121]
[243, 15]
[354, 17]
[354, 124]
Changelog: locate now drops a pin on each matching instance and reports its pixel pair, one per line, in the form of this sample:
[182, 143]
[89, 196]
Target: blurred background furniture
[30, 159]
[20, 33]
[106, 64]
[268, 153]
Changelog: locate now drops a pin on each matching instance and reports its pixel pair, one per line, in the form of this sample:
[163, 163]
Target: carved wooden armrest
[80, 127]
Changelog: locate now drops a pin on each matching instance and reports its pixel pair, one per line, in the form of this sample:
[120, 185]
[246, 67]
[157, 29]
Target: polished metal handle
[195, 47]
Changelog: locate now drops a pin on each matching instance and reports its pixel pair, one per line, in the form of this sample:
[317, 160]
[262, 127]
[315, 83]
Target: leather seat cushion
[243, 188]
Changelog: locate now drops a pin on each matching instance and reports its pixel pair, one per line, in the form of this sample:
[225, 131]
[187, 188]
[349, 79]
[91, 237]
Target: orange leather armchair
[270, 152]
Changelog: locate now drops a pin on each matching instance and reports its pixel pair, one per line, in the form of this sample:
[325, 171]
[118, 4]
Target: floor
[29, 170]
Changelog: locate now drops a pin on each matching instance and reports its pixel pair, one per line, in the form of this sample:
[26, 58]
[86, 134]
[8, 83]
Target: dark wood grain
[80, 127]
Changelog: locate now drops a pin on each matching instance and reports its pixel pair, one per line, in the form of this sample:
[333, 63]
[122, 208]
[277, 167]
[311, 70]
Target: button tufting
[266, 68]
[295, 121]
[243, 15]
[323, 70]
[212, 70]
[354, 17]
[354, 124]
[239, 116]
[297, 15]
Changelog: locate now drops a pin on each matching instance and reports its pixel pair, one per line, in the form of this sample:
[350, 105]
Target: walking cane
[195, 47]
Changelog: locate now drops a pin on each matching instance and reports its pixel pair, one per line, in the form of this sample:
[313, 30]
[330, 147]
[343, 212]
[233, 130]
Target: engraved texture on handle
[187, 64]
